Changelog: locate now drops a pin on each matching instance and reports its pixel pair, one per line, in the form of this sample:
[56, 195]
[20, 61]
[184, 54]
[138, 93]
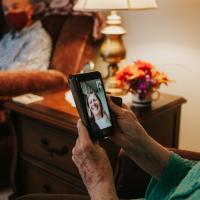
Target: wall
[169, 37]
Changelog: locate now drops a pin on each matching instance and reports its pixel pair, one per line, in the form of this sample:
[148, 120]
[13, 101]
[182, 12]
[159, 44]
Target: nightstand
[45, 133]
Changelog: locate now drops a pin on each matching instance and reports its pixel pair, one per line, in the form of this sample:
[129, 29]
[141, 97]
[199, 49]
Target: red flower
[144, 66]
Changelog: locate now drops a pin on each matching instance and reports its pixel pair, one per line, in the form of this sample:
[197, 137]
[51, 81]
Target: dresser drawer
[48, 144]
[36, 180]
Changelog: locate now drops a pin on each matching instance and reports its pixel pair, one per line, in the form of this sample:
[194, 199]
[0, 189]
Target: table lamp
[112, 49]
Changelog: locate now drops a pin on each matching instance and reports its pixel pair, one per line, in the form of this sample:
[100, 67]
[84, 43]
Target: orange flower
[141, 76]
[160, 77]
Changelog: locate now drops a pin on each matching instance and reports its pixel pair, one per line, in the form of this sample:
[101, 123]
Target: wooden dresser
[45, 133]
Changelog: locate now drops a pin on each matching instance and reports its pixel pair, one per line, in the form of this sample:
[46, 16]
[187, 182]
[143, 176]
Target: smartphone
[91, 102]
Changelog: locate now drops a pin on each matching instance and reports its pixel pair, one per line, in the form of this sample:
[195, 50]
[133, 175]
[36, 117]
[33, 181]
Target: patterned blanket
[64, 7]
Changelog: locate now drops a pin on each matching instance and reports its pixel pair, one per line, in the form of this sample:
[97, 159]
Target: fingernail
[78, 123]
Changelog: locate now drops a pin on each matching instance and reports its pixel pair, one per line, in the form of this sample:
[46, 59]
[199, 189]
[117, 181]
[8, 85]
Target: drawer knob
[62, 151]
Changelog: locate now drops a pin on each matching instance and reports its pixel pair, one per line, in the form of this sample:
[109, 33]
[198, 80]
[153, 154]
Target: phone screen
[96, 104]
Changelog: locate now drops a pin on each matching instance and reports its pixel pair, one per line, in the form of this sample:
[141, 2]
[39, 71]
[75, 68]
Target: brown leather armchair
[131, 181]
[73, 46]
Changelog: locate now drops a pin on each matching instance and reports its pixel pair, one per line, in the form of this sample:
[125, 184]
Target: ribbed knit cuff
[176, 170]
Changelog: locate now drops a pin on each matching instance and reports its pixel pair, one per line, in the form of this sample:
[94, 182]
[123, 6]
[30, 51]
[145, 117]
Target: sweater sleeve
[175, 172]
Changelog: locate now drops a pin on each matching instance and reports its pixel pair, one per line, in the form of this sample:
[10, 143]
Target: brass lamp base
[111, 85]
[113, 50]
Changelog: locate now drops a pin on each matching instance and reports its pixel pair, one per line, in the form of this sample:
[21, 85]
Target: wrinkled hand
[128, 131]
[138, 145]
[93, 165]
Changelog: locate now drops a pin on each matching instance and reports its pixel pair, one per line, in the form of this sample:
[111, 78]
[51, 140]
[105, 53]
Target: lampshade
[101, 5]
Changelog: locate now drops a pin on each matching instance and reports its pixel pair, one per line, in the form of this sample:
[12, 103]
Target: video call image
[96, 104]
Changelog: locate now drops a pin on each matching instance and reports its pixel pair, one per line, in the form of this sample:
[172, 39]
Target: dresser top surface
[55, 106]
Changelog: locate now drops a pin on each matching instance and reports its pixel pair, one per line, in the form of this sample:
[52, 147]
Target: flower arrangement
[141, 78]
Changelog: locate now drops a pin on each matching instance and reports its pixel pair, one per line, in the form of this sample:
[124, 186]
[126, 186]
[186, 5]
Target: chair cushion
[76, 35]
[53, 25]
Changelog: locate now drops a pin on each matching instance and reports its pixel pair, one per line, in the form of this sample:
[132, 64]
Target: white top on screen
[103, 122]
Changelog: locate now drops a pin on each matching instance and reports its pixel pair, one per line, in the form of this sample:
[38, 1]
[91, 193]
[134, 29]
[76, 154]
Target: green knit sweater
[181, 180]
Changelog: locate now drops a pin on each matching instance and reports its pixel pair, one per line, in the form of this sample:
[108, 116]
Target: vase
[146, 101]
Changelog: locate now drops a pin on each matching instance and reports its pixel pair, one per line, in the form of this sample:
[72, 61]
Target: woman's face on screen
[94, 104]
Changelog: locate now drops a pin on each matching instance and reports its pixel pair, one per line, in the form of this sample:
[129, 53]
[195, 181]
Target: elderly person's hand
[138, 145]
[94, 166]
[128, 131]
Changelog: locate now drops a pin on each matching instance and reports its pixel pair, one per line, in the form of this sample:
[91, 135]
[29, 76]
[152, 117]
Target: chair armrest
[14, 83]
[191, 155]
[131, 181]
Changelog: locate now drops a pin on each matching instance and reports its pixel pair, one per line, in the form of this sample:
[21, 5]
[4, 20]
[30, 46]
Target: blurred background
[169, 38]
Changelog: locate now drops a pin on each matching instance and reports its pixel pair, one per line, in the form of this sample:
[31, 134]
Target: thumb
[83, 134]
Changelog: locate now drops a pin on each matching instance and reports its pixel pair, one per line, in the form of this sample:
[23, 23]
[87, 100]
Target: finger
[125, 106]
[73, 159]
[122, 151]
[73, 151]
[116, 109]
[77, 145]
[118, 139]
[83, 135]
